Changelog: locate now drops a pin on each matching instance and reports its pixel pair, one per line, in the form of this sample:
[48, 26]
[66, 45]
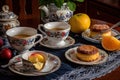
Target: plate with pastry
[86, 55]
[95, 32]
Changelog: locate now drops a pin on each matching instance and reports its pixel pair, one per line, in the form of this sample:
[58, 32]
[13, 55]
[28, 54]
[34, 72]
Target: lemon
[79, 22]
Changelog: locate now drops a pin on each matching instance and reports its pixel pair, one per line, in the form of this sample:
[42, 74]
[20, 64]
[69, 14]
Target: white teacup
[56, 32]
[23, 38]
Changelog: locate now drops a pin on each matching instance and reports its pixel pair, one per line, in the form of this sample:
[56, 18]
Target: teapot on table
[51, 13]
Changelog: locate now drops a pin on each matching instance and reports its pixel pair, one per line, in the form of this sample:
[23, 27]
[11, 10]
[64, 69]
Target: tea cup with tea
[23, 38]
[56, 32]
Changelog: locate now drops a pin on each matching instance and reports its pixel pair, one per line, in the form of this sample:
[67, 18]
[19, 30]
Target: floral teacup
[56, 32]
[23, 38]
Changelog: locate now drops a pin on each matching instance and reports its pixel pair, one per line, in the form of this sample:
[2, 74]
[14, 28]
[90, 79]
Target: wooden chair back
[25, 9]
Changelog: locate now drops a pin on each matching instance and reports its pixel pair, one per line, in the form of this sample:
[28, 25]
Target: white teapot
[52, 13]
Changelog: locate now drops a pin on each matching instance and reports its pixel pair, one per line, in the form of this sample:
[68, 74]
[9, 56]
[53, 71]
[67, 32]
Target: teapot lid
[6, 15]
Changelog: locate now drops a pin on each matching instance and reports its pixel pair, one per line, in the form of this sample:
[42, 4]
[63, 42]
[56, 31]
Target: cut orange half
[110, 43]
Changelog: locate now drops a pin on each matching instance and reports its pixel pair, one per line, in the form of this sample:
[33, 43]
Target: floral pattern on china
[52, 13]
[57, 34]
[64, 14]
[7, 20]
[22, 42]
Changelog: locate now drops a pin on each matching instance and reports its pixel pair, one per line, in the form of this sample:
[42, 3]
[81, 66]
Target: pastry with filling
[87, 53]
[97, 30]
[37, 59]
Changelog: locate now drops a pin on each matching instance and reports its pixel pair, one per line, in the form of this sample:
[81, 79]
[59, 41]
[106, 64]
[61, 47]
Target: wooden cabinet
[104, 9]
[81, 7]
[107, 10]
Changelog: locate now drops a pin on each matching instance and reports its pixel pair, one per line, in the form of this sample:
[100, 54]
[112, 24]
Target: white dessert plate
[68, 42]
[86, 36]
[71, 56]
[52, 64]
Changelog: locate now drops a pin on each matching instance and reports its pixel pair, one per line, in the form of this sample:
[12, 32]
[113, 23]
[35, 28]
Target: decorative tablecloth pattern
[95, 71]
[68, 70]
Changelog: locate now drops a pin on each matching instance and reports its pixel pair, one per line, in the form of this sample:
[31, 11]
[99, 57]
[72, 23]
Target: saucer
[52, 64]
[68, 42]
[86, 36]
[71, 56]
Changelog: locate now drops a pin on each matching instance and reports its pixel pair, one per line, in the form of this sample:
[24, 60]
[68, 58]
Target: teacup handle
[40, 26]
[38, 35]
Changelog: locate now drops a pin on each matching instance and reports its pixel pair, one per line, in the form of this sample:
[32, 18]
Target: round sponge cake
[97, 29]
[87, 53]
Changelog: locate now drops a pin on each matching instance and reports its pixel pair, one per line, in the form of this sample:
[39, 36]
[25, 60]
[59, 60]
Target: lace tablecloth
[90, 72]
[83, 72]
[69, 70]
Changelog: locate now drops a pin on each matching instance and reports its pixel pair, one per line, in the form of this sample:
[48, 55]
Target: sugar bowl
[7, 20]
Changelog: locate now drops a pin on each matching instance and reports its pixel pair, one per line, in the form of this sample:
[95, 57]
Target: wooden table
[114, 75]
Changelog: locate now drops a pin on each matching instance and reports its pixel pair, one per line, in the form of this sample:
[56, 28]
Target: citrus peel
[110, 43]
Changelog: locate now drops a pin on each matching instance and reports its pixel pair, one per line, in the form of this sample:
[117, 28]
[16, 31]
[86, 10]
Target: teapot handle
[45, 9]
[40, 26]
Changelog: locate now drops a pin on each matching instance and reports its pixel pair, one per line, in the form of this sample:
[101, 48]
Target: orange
[79, 22]
[110, 43]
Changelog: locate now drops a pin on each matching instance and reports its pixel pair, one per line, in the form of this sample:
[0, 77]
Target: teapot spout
[45, 9]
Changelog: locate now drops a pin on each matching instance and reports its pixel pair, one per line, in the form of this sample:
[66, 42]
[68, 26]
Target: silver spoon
[99, 35]
[115, 25]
